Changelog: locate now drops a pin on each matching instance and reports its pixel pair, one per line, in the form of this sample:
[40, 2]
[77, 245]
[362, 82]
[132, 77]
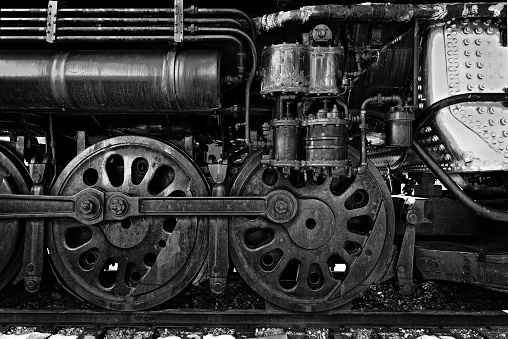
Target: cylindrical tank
[286, 141]
[399, 128]
[325, 69]
[110, 80]
[285, 69]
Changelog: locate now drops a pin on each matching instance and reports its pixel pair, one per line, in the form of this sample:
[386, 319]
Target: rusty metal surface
[110, 80]
[326, 64]
[285, 69]
[380, 12]
[318, 260]
[133, 263]
[468, 137]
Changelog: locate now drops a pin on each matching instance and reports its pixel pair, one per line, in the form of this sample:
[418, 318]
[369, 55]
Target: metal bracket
[33, 251]
[218, 172]
[51, 21]
[415, 216]
[218, 255]
[178, 34]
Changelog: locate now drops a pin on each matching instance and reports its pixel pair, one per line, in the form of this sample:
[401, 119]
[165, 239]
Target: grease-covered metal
[110, 80]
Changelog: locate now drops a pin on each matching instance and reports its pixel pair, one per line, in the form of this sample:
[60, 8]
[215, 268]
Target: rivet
[480, 76]
[485, 136]
[479, 64]
[469, 75]
[466, 41]
[478, 42]
[467, 53]
[467, 64]
[470, 117]
[501, 140]
[478, 30]
[503, 121]
[490, 30]
[505, 154]
[481, 87]
[493, 134]
[467, 30]
[492, 122]
[505, 134]
[462, 111]
[480, 110]
[492, 110]
[479, 53]
[469, 87]
[501, 146]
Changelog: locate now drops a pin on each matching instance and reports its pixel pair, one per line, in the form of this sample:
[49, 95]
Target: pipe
[251, 74]
[381, 99]
[457, 99]
[344, 107]
[460, 195]
[416, 61]
[205, 21]
[381, 12]
[231, 12]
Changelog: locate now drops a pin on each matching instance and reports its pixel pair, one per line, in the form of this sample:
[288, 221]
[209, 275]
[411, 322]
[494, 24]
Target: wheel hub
[336, 244]
[128, 263]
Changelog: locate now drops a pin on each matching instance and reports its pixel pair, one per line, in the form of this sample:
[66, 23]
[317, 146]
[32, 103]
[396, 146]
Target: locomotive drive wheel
[138, 262]
[335, 247]
[14, 179]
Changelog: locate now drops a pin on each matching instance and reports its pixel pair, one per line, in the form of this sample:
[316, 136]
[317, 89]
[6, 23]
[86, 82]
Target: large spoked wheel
[139, 262]
[14, 179]
[334, 248]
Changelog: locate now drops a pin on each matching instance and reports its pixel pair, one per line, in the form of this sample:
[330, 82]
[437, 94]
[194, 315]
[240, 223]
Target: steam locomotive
[315, 148]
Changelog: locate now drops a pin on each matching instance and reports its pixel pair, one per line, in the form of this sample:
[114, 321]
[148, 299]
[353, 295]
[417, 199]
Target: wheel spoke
[118, 254]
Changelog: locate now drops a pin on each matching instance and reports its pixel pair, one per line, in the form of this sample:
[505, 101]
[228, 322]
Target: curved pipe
[460, 195]
[439, 173]
[251, 74]
[231, 12]
[457, 99]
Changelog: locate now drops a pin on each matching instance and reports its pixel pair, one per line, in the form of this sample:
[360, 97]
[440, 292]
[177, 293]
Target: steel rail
[265, 318]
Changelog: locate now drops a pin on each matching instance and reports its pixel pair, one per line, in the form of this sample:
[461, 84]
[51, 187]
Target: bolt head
[86, 207]
[281, 207]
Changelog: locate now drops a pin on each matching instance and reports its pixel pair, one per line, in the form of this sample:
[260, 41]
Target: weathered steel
[263, 318]
[14, 179]
[381, 12]
[336, 246]
[110, 80]
[137, 262]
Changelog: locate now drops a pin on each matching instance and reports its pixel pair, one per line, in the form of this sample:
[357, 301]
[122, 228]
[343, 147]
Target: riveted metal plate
[465, 56]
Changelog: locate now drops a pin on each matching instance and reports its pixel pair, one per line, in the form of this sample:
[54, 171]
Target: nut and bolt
[412, 218]
[86, 207]
[31, 286]
[117, 206]
[281, 207]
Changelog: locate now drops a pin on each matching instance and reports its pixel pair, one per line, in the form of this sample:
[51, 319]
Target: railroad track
[174, 324]
[250, 318]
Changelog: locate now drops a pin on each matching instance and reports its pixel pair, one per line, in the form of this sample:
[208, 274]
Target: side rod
[91, 206]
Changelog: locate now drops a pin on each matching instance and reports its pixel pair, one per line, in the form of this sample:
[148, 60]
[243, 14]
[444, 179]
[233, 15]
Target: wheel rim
[138, 262]
[14, 179]
[333, 250]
